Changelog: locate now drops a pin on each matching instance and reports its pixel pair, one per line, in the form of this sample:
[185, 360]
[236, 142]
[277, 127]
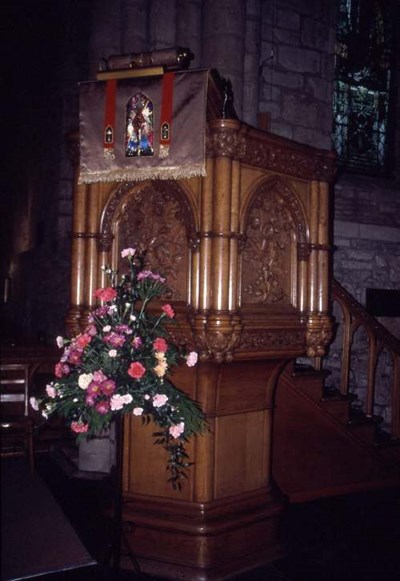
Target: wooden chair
[16, 426]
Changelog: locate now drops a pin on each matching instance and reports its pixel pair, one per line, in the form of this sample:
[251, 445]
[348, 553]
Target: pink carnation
[108, 386]
[151, 275]
[83, 341]
[51, 391]
[114, 339]
[94, 388]
[75, 356]
[137, 342]
[168, 310]
[102, 407]
[79, 427]
[127, 252]
[159, 400]
[160, 345]
[176, 431]
[191, 359]
[61, 370]
[99, 376]
[117, 401]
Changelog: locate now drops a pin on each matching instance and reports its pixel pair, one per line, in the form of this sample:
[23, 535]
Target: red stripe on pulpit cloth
[109, 119]
[166, 113]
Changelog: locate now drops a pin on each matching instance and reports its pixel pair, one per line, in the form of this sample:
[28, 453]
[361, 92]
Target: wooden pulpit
[245, 250]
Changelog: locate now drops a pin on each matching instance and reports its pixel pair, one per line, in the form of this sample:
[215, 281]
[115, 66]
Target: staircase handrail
[360, 313]
[380, 338]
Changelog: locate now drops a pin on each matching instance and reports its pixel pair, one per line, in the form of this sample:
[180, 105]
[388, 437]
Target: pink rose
[168, 310]
[105, 294]
[137, 411]
[160, 344]
[136, 370]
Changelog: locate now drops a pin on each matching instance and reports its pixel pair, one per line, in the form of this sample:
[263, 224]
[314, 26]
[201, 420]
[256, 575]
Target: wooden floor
[353, 537]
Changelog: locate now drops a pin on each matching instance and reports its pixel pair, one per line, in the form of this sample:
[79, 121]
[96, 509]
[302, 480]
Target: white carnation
[84, 380]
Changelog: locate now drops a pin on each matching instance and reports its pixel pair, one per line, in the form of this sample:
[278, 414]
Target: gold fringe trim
[136, 175]
[109, 153]
[164, 151]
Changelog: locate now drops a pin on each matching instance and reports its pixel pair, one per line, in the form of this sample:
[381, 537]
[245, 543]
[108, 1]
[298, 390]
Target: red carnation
[136, 370]
[105, 294]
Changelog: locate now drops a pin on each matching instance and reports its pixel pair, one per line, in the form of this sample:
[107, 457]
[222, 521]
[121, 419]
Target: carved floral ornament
[230, 138]
[273, 222]
[138, 194]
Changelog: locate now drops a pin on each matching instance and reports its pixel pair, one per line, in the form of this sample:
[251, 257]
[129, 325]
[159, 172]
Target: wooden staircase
[321, 446]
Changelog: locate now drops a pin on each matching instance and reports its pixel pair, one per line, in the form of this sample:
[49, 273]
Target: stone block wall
[297, 63]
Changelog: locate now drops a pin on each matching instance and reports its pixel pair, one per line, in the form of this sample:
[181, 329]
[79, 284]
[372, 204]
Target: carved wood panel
[274, 225]
[156, 216]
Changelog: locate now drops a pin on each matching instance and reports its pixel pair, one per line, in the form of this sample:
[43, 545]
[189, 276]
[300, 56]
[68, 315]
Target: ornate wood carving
[267, 151]
[289, 159]
[274, 222]
[318, 335]
[226, 140]
[271, 339]
[156, 216]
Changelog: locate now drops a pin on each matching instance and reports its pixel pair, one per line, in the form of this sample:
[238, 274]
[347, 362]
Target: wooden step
[364, 427]
[315, 455]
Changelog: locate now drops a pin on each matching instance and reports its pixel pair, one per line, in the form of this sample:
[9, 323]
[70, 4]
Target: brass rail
[355, 316]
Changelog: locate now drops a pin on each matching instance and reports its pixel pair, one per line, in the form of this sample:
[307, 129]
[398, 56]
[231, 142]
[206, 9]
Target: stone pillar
[188, 28]
[134, 22]
[162, 27]
[252, 56]
[224, 24]
[106, 33]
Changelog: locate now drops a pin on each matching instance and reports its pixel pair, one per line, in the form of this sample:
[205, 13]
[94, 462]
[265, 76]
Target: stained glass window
[139, 126]
[361, 104]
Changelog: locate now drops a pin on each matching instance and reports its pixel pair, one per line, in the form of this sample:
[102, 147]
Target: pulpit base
[219, 542]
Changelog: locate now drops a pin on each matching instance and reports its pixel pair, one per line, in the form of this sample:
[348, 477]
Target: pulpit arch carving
[275, 231]
[157, 216]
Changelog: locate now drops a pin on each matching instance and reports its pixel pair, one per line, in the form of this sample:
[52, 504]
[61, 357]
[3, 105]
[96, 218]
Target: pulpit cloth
[186, 156]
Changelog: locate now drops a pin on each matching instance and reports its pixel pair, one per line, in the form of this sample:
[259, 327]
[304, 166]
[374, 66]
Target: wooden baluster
[396, 397]
[372, 361]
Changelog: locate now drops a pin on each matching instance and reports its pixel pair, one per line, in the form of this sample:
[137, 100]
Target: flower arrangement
[120, 364]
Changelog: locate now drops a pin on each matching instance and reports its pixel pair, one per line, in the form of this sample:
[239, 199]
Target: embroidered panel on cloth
[138, 150]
